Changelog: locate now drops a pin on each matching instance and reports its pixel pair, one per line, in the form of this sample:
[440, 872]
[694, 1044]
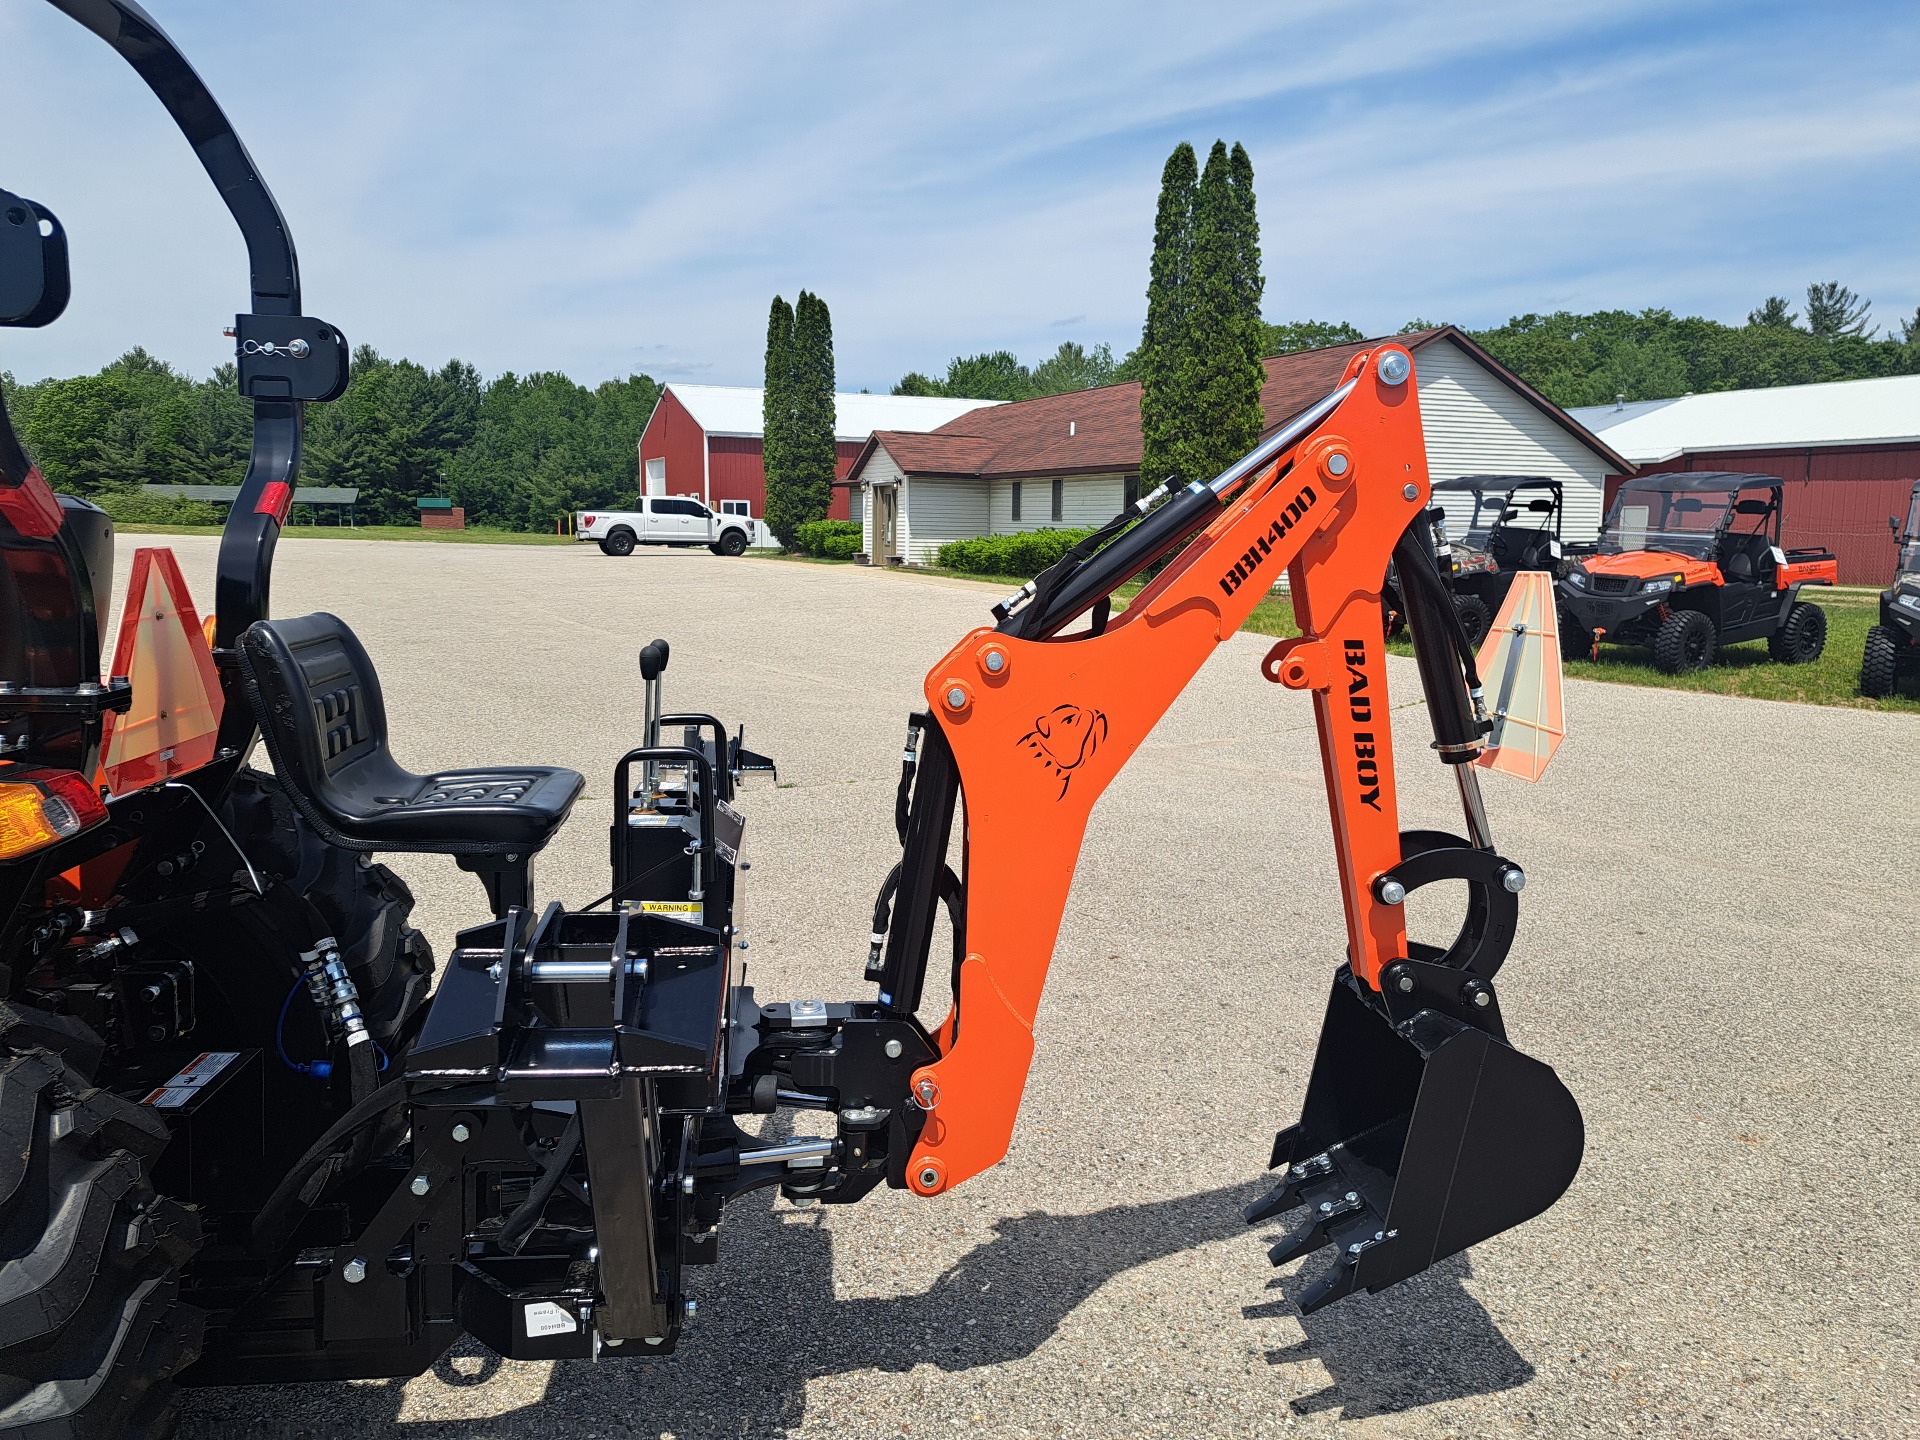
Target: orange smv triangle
[174, 722]
[1520, 671]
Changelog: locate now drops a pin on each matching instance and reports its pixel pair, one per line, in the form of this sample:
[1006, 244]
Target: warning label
[197, 1075]
[672, 907]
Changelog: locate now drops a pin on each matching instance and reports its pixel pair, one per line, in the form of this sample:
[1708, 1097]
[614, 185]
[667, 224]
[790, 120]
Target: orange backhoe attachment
[1039, 724]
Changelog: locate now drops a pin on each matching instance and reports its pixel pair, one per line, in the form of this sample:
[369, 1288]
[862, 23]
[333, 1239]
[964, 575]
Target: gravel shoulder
[1715, 953]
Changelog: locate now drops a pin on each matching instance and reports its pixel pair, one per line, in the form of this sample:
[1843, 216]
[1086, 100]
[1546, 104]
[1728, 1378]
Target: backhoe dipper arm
[1038, 727]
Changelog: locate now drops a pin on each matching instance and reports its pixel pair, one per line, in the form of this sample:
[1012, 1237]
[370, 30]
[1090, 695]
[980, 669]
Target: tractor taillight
[39, 808]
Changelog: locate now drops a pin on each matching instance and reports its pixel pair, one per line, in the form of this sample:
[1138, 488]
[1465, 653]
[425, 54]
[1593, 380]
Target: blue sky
[602, 188]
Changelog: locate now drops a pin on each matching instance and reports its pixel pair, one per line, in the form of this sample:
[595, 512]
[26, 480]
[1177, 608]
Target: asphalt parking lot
[1716, 954]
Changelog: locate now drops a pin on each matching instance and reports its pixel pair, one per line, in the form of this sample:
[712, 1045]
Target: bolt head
[956, 698]
[1392, 892]
[1352, 1195]
[894, 1049]
[461, 1134]
[1395, 367]
[995, 661]
[1326, 1207]
[1410, 492]
[420, 1185]
[929, 1177]
[1355, 1249]
[1513, 880]
[354, 1271]
[1337, 463]
[686, 1184]
[1405, 984]
[1483, 998]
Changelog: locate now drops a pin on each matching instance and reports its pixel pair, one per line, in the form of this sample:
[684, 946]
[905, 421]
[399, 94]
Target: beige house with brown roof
[1074, 459]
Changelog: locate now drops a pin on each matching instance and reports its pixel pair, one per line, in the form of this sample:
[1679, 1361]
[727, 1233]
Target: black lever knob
[653, 659]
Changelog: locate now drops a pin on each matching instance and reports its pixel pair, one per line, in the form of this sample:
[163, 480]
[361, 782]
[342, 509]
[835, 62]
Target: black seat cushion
[325, 724]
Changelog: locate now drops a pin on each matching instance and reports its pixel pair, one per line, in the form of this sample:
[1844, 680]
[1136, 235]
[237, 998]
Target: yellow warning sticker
[671, 907]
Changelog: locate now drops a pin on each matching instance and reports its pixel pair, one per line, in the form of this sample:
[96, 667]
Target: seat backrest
[320, 701]
[1517, 548]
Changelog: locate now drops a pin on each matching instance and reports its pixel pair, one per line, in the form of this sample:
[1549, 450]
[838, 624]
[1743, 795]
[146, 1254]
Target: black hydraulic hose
[1153, 537]
[513, 1235]
[268, 1224]
[1440, 654]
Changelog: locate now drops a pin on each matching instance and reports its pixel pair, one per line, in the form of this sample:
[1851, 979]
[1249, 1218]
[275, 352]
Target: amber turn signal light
[39, 808]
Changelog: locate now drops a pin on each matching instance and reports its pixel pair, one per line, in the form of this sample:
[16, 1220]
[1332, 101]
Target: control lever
[653, 664]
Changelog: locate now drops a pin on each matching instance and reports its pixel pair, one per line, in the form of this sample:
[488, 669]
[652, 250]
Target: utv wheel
[1576, 641]
[92, 1330]
[1686, 642]
[730, 543]
[1880, 663]
[620, 542]
[1474, 617]
[1802, 639]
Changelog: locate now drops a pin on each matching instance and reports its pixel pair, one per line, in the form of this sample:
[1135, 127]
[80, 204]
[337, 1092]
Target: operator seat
[317, 697]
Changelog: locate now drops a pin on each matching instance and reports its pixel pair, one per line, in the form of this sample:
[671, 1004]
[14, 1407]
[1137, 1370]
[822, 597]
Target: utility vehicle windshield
[1675, 522]
[1910, 538]
[1530, 508]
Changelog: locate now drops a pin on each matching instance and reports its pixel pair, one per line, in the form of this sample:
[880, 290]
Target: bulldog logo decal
[1064, 739]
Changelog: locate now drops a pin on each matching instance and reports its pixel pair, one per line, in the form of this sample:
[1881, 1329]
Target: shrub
[134, 507]
[1024, 555]
[828, 539]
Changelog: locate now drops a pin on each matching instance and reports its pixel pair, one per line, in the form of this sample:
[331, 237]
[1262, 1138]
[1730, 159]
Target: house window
[1130, 491]
[1059, 495]
[1016, 499]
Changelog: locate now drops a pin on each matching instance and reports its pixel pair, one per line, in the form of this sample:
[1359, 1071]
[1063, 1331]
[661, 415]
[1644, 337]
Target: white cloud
[598, 190]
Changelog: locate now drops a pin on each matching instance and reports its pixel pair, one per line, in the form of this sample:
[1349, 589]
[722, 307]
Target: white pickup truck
[678, 520]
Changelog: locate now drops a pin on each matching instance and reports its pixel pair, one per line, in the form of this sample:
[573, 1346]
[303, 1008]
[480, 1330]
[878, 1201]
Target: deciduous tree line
[517, 452]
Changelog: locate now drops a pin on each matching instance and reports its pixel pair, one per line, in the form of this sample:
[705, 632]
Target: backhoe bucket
[1417, 1140]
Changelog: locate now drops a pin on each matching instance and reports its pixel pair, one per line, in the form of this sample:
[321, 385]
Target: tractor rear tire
[364, 905]
[619, 543]
[92, 1330]
[1475, 618]
[1880, 663]
[1803, 638]
[1686, 641]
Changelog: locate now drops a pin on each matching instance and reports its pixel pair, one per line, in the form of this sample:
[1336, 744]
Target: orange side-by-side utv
[1691, 563]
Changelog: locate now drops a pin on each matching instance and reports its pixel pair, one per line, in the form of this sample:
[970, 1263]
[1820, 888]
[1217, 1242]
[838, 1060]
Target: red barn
[705, 440]
[1850, 451]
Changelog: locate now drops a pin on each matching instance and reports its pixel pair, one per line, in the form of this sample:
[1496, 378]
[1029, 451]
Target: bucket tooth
[1302, 1241]
[1328, 1206]
[1286, 1194]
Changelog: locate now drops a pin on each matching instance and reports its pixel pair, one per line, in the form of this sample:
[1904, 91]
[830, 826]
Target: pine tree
[1165, 415]
[1833, 311]
[776, 408]
[1221, 369]
[811, 454]
[1249, 285]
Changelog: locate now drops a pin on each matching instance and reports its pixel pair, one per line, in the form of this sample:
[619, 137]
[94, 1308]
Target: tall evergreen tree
[1165, 413]
[811, 456]
[776, 407]
[1220, 373]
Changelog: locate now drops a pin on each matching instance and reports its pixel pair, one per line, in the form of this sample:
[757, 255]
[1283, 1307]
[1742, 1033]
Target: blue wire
[319, 1069]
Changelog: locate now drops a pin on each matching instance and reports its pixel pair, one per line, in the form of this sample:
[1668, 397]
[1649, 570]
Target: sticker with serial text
[546, 1318]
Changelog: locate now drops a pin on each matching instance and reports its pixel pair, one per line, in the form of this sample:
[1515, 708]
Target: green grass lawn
[369, 532]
